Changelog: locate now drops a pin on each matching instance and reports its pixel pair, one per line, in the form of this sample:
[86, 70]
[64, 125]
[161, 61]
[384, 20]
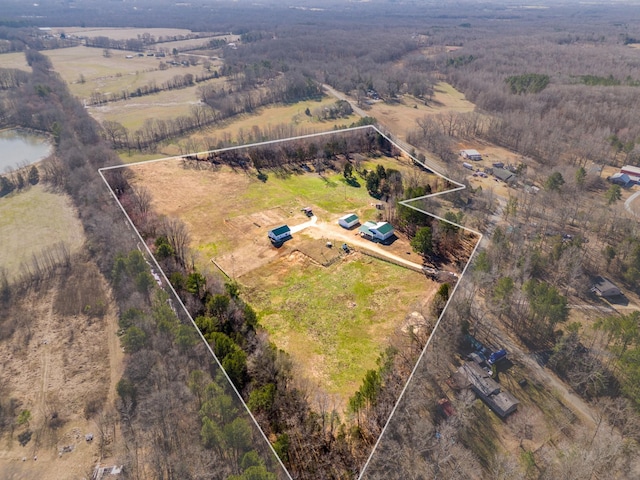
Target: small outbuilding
[603, 287]
[379, 231]
[280, 234]
[349, 221]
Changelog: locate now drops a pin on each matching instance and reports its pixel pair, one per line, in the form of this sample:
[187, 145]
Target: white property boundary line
[406, 203]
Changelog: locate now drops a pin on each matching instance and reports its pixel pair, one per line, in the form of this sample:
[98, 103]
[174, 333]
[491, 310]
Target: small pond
[19, 148]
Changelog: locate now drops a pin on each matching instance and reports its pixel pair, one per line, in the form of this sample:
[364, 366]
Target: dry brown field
[111, 74]
[165, 105]
[33, 220]
[121, 33]
[14, 60]
[63, 354]
[402, 116]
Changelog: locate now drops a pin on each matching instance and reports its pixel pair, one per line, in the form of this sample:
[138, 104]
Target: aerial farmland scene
[332, 240]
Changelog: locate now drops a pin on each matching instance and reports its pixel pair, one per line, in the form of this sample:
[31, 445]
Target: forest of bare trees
[555, 86]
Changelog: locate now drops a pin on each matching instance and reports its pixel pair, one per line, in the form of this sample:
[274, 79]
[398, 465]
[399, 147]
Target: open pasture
[333, 312]
[335, 321]
[87, 70]
[165, 105]
[33, 220]
[404, 114]
[14, 60]
[122, 33]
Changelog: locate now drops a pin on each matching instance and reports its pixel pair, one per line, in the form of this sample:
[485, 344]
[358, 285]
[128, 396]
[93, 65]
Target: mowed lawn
[33, 220]
[334, 321]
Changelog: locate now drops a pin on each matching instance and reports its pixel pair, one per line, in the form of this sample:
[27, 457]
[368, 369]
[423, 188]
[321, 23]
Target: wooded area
[555, 87]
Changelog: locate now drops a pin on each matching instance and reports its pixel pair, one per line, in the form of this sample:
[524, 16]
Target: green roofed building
[349, 221]
[379, 231]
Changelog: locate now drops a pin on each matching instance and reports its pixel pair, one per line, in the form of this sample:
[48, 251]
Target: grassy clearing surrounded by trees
[334, 321]
[33, 220]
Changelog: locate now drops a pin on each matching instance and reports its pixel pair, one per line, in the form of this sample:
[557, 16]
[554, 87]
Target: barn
[633, 172]
[349, 221]
[379, 231]
[279, 234]
[471, 154]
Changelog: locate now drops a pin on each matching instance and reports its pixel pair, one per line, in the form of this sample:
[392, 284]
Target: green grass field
[334, 321]
[33, 220]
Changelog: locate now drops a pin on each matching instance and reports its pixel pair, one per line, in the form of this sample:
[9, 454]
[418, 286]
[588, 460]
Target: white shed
[349, 221]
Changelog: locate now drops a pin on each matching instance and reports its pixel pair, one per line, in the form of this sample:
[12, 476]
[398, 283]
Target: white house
[349, 221]
[280, 233]
[379, 231]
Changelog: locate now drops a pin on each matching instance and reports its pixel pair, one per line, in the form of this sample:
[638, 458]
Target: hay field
[165, 105]
[121, 33]
[33, 220]
[110, 74]
[14, 60]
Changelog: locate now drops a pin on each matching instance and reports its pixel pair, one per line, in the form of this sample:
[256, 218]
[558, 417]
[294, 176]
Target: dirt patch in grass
[33, 220]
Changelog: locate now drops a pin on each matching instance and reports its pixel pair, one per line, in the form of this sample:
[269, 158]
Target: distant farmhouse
[280, 234]
[379, 231]
[603, 287]
[349, 221]
[471, 154]
[501, 402]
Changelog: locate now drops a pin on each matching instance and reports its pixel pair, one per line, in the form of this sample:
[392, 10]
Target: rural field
[59, 351]
[34, 220]
[403, 115]
[87, 70]
[165, 105]
[121, 33]
[334, 312]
